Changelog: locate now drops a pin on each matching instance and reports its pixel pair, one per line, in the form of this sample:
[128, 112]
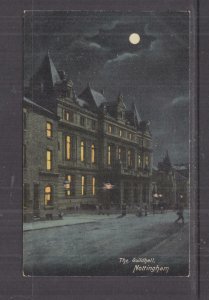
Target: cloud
[180, 100]
[122, 57]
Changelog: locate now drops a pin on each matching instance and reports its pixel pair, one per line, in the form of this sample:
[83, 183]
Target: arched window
[48, 196]
[109, 155]
[93, 186]
[93, 153]
[83, 185]
[82, 146]
[68, 147]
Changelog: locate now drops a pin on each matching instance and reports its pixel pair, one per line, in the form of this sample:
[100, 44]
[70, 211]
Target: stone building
[170, 184]
[81, 151]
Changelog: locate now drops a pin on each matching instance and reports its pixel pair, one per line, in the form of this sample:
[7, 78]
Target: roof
[136, 113]
[92, 97]
[47, 73]
[39, 107]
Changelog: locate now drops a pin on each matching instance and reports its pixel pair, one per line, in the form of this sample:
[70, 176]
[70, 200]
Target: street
[152, 245]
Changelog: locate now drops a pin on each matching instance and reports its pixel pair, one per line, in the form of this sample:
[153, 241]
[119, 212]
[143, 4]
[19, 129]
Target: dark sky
[95, 48]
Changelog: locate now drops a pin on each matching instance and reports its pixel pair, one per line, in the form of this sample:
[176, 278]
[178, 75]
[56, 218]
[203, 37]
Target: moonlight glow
[134, 38]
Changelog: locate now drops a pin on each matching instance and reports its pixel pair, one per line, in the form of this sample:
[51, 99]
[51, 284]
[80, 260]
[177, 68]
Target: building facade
[81, 151]
[170, 184]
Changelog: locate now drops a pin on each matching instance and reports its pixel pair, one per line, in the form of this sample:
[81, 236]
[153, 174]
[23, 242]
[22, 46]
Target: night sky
[95, 48]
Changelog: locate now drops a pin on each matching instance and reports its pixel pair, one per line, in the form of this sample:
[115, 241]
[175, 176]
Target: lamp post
[108, 187]
[155, 196]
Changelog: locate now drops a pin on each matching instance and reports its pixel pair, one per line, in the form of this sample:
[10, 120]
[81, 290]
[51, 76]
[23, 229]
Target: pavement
[71, 219]
[84, 245]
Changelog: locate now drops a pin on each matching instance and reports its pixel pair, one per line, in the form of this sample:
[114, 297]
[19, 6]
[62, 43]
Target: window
[82, 146]
[69, 185]
[48, 196]
[109, 155]
[93, 186]
[119, 153]
[110, 128]
[48, 129]
[82, 121]
[120, 133]
[67, 116]
[83, 185]
[139, 160]
[130, 158]
[93, 124]
[93, 153]
[130, 135]
[48, 160]
[146, 160]
[68, 147]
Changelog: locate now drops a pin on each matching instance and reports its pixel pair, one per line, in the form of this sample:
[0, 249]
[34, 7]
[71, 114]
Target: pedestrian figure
[139, 211]
[180, 213]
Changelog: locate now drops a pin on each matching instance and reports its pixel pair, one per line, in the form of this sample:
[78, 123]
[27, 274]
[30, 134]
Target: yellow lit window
[83, 185]
[48, 160]
[48, 129]
[48, 196]
[93, 186]
[93, 153]
[68, 147]
[109, 155]
[82, 151]
[68, 185]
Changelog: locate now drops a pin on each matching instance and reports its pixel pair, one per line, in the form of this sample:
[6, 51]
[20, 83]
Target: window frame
[46, 205]
[49, 162]
[49, 131]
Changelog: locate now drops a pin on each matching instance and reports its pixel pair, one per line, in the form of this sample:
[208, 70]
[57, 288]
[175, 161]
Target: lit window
[68, 147]
[82, 151]
[69, 185]
[67, 116]
[48, 129]
[48, 196]
[120, 133]
[92, 153]
[109, 155]
[48, 160]
[110, 128]
[93, 186]
[82, 121]
[119, 153]
[83, 185]
[139, 160]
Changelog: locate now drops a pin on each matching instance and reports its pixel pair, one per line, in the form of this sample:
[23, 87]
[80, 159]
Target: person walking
[180, 213]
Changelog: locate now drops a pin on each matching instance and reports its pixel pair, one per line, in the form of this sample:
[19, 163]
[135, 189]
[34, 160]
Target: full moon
[134, 38]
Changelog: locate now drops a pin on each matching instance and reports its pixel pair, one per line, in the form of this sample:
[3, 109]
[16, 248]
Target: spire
[166, 160]
[47, 74]
[136, 113]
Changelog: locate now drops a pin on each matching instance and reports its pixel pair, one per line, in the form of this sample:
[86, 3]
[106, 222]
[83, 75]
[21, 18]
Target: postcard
[106, 176]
